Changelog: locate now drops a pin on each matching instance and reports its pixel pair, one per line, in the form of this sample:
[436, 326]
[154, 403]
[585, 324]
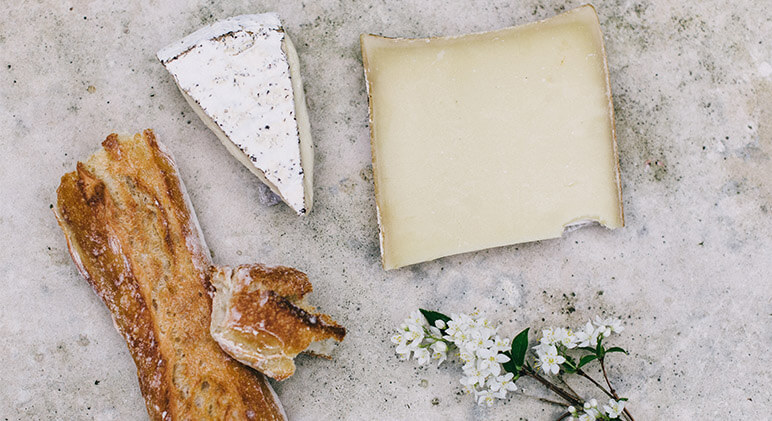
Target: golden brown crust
[135, 239]
[285, 281]
[259, 319]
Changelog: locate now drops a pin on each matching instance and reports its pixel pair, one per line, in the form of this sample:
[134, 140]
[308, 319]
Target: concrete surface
[689, 274]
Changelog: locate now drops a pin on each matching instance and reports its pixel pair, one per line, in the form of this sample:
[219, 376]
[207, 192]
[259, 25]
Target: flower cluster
[492, 364]
[555, 341]
[591, 412]
[481, 350]
[476, 343]
[423, 341]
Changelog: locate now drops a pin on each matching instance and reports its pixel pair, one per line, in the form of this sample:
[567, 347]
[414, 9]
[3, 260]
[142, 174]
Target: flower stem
[545, 400]
[549, 385]
[570, 389]
[611, 388]
[600, 386]
[605, 376]
[563, 416]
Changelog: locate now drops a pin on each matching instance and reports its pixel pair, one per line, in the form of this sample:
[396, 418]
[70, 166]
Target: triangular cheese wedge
[241, 77]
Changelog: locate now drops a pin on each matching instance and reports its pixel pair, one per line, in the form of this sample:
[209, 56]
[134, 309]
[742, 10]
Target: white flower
[501, 344]
[478, 342]
[501, 394]
[550, 360]
[413, 334]
[542, 349]
[503, 382]
[493, 383]
[486, 398]
[602, 330]
[590, 411]
[568, 338]
[491, 360]
[416, 319]
[616, 326]
[468, 366]
[609, 325]
[463, 321]
[571, 410]
[422, 355]
[588, 336]
[403, 350]
[452, 330]
[477, 345]
[473, 378]
[548, 336]
[469, 386]
[483, 322]
[467, 357]
[440, 353]
[614, 408]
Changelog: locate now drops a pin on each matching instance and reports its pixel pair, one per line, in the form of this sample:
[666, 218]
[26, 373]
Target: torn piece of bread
[241, 76]
[134, 236]
[259, 318]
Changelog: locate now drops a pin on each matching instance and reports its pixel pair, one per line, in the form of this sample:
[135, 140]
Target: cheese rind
[241, 77]
[491, 139]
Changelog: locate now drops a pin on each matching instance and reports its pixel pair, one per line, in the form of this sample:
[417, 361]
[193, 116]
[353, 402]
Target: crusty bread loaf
[260, 318]
[133, 235]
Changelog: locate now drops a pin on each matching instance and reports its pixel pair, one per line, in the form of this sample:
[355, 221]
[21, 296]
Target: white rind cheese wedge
[241, 76]
[490, 139]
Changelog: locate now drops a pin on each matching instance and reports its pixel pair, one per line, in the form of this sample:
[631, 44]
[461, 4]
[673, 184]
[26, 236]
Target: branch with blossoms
[492, 364]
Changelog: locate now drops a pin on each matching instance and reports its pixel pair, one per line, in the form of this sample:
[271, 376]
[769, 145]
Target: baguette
[134, 237]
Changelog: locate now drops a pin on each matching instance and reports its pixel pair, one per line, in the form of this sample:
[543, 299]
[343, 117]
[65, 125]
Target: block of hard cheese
[491, 139]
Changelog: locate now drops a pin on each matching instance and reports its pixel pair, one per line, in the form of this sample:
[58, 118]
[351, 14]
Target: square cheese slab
[491, 139]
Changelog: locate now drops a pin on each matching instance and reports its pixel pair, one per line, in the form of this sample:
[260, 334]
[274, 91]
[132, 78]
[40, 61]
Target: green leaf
[616, 349]
[586, 359]
[520, 348]
[433, 316]
[510, 366]
[587, 348]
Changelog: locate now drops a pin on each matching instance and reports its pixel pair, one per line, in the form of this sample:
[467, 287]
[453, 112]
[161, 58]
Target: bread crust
[134, 237]
[260, 318]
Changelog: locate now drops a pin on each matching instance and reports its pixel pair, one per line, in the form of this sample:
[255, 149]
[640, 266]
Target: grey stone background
[689, 274]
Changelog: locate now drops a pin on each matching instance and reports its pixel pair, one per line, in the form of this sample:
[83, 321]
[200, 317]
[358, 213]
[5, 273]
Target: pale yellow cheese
[491, 139]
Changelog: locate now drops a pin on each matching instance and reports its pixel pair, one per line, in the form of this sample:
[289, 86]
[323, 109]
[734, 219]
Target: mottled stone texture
[690, 274]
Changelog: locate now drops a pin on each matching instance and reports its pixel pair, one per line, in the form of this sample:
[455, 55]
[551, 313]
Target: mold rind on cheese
[241, 76]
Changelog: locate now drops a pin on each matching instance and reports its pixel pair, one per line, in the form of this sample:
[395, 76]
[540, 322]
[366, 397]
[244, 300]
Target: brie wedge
[241, 76]
[490, 139]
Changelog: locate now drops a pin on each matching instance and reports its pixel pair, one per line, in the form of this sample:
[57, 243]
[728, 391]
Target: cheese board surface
[688, 274]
